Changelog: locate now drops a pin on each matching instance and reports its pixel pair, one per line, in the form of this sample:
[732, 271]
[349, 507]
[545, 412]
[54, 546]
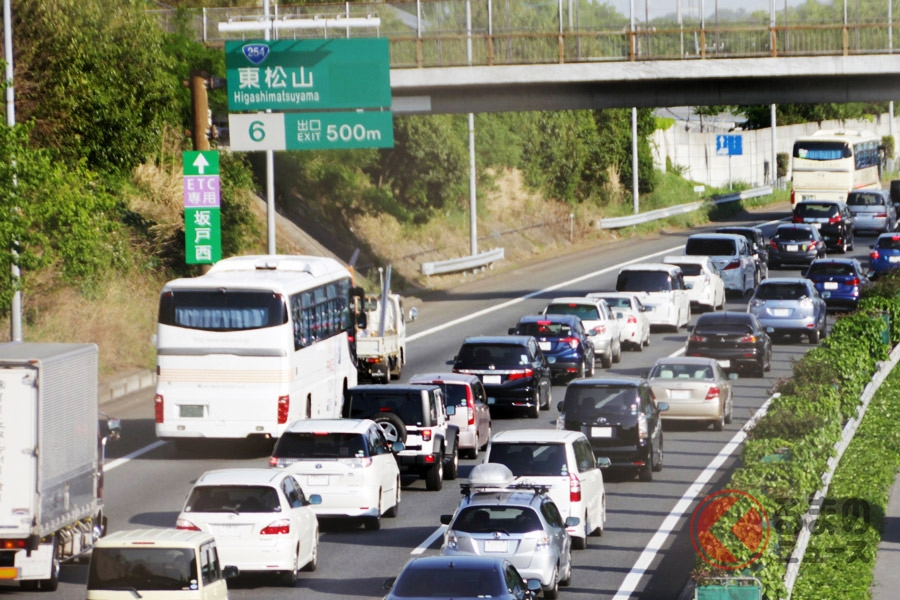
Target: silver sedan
[790, 305]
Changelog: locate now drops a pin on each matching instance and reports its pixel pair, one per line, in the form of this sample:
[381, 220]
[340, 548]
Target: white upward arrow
[201, 163]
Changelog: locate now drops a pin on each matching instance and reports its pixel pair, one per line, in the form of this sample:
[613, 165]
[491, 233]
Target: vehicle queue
[598, 411]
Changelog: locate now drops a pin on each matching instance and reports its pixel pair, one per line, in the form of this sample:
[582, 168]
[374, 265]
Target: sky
[658, 8]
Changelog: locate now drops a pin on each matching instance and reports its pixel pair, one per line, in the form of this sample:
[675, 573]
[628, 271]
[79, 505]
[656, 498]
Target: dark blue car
[839, 281]
[885, 254]
[564, 342]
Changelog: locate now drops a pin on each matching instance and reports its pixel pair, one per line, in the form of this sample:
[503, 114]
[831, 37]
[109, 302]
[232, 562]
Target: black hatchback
[736, 339]
[513, 369]
[795, 243]
[621, 419]
[831, 218]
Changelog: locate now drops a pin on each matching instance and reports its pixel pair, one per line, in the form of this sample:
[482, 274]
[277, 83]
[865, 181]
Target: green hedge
[786, 453]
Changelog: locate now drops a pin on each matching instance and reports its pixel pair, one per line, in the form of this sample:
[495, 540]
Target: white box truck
[51, 452]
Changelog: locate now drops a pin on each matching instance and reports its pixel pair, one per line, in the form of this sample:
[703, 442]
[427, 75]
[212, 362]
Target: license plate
[190, 411]
[781, 312]
[792, 247]
[492, 401]
[496, 546]
[725, 364]
[893, 258]
[680, 394]
[831, 285]
[544, 345]
[601, 432]
[491, 379]
[317, 480]
[229, 530]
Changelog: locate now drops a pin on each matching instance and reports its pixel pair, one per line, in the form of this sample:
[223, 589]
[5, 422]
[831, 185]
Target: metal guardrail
[662, 213]
[465, 263]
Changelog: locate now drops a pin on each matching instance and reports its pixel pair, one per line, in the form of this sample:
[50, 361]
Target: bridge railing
[439, 33]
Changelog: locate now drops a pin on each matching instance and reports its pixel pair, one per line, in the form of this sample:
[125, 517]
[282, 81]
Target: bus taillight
[158, 408]
[284, 406]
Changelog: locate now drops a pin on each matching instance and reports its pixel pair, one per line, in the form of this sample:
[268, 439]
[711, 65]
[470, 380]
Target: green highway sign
[308, 74]
[311, 131]
[201, 162]
[202, 235]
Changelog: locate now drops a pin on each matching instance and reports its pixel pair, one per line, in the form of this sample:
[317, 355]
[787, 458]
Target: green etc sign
[202, 202]
[306, 83]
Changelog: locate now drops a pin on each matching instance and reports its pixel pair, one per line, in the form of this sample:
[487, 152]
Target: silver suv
[519, 522]
[417, 416]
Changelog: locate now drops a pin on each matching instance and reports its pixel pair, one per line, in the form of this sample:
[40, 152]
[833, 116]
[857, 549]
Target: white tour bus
[255, 343]
[830, 163]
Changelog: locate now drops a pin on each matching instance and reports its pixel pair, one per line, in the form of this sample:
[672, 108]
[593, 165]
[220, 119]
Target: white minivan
[563, 461]
[664, 292]
[157, 564]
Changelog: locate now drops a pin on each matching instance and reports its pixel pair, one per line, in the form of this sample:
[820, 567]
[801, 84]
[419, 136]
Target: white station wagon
[348, 462]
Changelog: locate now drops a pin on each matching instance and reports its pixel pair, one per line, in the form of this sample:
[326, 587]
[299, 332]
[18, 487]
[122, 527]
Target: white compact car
[599, 323]
[260, 518]
[563, 461]
[630, 312]
[732, 255]
[706, 289]
[348, 462]
[665, 292]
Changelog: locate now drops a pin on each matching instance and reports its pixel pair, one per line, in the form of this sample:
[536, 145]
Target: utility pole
[15, 310]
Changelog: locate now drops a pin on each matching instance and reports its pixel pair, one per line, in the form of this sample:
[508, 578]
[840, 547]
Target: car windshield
[488, 519]
[815, 211]
[616, 302]
[524, 458]
[294, 444]
[863, 199]
[142, 568]
[585, 312]
[681, 371]
[643, 281]
[233, 499]
[709, 247]
[448, 582]
[545, 329]
[587, 401]
[749, 235]
[888, 243]
[780, 291]
[366, 405]
[831, 269]
[690, 269]
[502, 356]
[794, 234]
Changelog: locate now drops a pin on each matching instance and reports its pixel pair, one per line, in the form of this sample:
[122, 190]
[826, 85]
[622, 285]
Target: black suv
[759, 247]
[415, 415]
[831, 217]
[621, 419]
[513, 369]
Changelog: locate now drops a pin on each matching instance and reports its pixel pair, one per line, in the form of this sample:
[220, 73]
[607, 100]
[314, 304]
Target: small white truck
[51, 459]
[381, 338]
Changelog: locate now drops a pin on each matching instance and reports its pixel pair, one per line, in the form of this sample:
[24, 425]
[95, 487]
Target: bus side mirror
[362, 320]
[413, 313]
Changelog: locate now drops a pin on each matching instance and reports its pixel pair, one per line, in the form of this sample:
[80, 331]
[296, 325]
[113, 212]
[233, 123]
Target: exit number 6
[257, 131]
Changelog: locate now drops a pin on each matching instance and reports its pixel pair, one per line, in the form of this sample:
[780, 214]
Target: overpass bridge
[458, 56]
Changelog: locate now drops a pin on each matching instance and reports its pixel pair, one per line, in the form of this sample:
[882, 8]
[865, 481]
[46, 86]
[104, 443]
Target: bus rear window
[222, 310]
[810, 150]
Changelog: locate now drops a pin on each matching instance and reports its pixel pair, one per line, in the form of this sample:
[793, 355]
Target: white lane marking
[515, 301]
[430, 540]
[629, 585]
[121, 461]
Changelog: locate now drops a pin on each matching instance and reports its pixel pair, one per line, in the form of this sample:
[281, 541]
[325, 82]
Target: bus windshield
[222, 310]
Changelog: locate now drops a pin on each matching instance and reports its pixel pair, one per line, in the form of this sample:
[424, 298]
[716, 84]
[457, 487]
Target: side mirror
[397, 447]
[445, 519]
[451, 410]
[572, 522]
[362, 320]
[413, 313]
[620, 315]
[511, 331]
[230, 572]
[603, 462]
[559, 406]
[663, 406]
[388, 583]
[315, 499]
[732, 376]
[804, 272]
[688, 286]
[534, 587]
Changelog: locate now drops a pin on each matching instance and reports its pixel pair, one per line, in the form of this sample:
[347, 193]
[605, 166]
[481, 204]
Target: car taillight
[273, 461]
[426, 435]
[158, 406]
[598, 330]
[881, 216]
[643, 429]
[523, 374]
[793, 197]
[572, 342]
[796, 219]
[470, 405]
[835, 219]
[284, 406]
[14, 544]
[185, 524]
[632, 319]
[749, 339]
[773, 245]
[713, 393]
[574, 488]
[734, 264]
[697, 338]
[812, 244]
[854, 281]
[873, 255]
[279, 527]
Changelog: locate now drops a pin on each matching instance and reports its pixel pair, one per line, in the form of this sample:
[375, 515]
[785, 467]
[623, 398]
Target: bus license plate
[191, 411]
